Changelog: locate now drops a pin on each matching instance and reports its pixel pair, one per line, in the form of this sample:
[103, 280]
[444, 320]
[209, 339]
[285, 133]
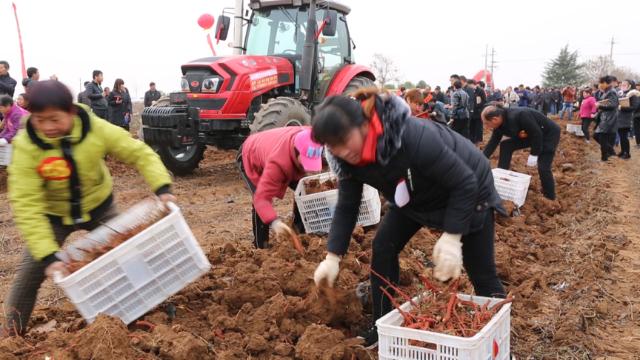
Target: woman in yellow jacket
[59, 183]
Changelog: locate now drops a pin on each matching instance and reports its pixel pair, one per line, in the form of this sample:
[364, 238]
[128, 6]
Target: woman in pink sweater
[270, 162]
[588, 109]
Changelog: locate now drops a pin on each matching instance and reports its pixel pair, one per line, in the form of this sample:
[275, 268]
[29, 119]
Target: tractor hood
[257, 74]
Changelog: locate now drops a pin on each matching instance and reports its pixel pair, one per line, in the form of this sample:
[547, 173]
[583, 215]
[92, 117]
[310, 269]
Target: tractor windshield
[282, 31]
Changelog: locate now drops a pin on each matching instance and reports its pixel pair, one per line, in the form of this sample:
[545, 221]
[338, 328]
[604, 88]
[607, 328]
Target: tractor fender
[342, 78]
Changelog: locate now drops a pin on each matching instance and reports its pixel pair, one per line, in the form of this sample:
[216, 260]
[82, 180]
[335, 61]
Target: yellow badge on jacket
[54, 168]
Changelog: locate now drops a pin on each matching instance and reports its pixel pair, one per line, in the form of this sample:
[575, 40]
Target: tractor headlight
[184, 84]
[211, 84]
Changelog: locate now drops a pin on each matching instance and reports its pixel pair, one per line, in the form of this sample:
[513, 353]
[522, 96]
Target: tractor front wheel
[182, 160]
[280, 112]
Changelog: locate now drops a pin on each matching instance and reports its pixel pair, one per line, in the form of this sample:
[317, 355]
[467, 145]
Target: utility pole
[493, 62]
[486, 56]
[492, 67]
[611, 51]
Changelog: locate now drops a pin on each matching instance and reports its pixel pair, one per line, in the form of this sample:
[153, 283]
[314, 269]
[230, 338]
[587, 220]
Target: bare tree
[599, 66]
[384, 69]
[624, 73]
[596, 67]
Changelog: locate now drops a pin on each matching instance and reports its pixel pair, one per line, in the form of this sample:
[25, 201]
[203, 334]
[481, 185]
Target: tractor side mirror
[222, 29]
[331, 23]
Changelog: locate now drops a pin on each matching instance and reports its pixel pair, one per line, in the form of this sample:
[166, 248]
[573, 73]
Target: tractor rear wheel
[358, 82]
[280, 112]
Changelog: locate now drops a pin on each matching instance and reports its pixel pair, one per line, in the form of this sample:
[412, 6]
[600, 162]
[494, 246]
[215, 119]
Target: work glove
[532, 161]
[447, 257]
[283, 230]
[327, 270]
[280, 228]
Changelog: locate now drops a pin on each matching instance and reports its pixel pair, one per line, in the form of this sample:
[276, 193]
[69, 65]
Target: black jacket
[7, 85]
[460, 104]
[118, 110]
[472, 98]
[635, 105]
[528, 125]
[450, 182]
[607, 116]
[95, 94]
[626, 114]
[150, 97]
[479, 100]
[441, 97]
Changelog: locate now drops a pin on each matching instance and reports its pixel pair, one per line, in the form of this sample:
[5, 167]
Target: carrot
[396, 289]
[450, 306]
[496, 307]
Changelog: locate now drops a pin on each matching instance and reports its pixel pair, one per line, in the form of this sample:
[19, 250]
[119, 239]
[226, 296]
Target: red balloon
[206, 21]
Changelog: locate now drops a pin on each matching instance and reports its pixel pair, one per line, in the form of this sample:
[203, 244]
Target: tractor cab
[280, 30]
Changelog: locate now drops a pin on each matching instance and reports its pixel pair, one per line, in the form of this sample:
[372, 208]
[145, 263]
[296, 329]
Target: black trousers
[586, 123]
[606, 141]
[475, 128]
[394, 233]
[624, 141]
[102, 113]
[636, 130]
[461, 126]
[260, 229]
[545, 160]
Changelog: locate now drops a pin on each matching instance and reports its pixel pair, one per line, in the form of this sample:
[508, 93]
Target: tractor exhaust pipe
[237, 27]
[308, 53]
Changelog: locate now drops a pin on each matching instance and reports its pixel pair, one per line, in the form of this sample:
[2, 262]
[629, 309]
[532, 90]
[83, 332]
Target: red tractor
[295, 53]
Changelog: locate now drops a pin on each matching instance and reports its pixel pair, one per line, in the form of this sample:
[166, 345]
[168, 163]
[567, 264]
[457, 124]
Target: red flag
[15, 13]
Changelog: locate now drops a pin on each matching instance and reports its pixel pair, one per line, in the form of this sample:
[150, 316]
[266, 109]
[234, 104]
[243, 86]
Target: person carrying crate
[59, 183]
[524, 128]
[431, 175]
[269, 162]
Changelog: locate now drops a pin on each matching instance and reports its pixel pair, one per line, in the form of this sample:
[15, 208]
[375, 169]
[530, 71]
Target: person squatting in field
[431, 175]
[269, 162]
[524, 128]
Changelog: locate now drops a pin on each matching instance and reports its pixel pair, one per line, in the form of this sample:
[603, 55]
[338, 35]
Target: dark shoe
[370, 337]
[625, 156]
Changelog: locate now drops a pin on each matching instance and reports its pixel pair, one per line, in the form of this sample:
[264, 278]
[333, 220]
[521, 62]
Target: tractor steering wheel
[291, 51]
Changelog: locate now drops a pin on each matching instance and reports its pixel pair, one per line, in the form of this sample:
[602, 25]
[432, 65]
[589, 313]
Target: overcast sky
[144, 40]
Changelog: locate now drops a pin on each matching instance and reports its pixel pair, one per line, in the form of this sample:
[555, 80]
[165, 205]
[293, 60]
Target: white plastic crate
[575, 129]
[493, 342]
[5, 154]
[140, 273]
[511, 185]
[317, 209]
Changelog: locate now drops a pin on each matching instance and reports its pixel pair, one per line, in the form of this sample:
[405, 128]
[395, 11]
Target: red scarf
[368, 155]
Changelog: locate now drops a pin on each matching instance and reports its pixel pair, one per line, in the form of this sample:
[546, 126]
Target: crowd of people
[420, 150]
[112, 104]
[612, 105]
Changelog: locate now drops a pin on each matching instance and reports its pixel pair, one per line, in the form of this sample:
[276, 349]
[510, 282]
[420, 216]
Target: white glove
[3, 141]
[280, 228]
[447, 256]
[532, 161]
[328, 269]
